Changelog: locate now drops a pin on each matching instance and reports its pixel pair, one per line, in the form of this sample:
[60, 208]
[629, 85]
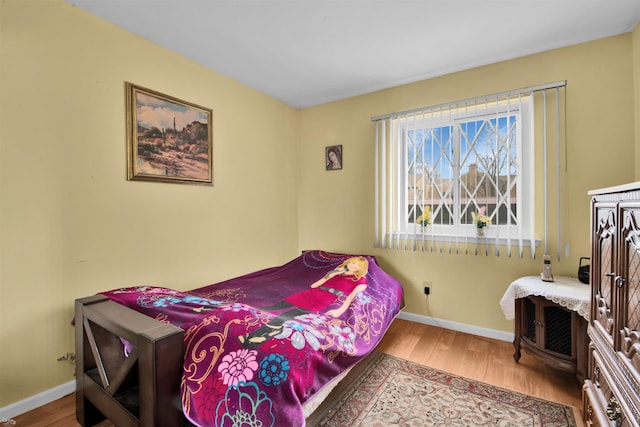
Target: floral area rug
[396, 392]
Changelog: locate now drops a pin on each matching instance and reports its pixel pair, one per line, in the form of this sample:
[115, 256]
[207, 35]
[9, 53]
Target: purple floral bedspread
[260, 345]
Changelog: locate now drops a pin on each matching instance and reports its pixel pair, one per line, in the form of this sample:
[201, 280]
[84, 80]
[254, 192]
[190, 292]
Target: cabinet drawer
[601, 402]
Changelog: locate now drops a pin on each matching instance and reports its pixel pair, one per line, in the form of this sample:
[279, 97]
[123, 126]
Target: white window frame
[524, 136]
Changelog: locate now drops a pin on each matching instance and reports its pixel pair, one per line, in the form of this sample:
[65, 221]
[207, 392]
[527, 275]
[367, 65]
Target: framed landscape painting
[168, 140]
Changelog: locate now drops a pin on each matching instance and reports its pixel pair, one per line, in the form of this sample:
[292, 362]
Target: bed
[266, 348]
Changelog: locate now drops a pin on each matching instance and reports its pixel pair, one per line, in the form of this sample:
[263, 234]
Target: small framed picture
[168, 139]
[333, 157]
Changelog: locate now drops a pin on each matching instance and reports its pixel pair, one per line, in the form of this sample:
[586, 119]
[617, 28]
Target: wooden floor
[481, 359]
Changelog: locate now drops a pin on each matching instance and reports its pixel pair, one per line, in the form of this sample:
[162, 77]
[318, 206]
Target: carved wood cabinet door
[628, 291]
[603, 267]
[611, 393]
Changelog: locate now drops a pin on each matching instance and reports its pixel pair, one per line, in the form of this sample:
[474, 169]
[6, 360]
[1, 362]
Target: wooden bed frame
[139, 390]
[144, 388]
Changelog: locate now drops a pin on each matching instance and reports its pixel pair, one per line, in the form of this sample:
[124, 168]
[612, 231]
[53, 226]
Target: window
[439, 168]
[458, 163]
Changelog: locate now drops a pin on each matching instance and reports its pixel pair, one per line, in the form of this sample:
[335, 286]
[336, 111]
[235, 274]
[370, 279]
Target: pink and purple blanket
[258, 346]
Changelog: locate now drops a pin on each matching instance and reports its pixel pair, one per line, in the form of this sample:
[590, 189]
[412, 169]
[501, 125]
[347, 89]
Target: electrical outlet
[427, 287]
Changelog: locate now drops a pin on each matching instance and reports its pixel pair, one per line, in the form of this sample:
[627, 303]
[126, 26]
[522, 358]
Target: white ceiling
[308, 52]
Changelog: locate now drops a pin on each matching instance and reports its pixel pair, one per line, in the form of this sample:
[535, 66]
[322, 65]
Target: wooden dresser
[611, 394]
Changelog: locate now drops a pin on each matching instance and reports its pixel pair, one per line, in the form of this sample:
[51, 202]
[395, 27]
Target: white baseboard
[460, 327]
[37, 400]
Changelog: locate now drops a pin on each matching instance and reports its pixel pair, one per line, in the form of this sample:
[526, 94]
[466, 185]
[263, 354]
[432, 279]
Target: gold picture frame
[168, 140]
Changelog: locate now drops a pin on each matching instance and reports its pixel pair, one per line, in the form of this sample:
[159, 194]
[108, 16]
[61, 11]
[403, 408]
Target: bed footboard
[141, 389]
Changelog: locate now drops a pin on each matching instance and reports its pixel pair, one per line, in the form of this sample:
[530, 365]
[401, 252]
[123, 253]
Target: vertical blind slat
[376, 187]
[383, 219]
[545, 175]
[558, 195]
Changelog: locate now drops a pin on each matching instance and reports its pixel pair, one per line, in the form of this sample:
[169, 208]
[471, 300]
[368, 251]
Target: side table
[550, 321]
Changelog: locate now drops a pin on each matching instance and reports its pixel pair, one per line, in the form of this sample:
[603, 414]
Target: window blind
[452, 161]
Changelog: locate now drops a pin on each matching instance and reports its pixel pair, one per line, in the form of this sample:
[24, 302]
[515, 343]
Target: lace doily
[567, 292]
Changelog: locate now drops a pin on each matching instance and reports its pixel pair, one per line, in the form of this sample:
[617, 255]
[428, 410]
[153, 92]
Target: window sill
[448, 238]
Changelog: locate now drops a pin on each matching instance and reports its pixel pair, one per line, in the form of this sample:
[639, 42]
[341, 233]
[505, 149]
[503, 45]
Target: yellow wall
[72, 225]
[336, 207]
